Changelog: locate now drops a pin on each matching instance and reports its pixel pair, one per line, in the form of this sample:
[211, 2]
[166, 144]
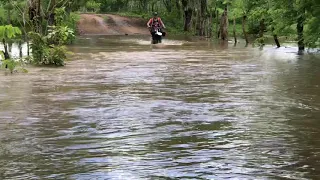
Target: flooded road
[123, 109]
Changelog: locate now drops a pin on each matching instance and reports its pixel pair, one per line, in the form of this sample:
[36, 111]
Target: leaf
[11, 64]
[2, 32]
[8, 32]
[1, 55]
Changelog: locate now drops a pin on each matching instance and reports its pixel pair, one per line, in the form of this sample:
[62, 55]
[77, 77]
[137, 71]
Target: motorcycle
[157, 35]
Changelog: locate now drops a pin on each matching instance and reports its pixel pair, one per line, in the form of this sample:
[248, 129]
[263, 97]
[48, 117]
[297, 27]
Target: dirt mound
[109, 24]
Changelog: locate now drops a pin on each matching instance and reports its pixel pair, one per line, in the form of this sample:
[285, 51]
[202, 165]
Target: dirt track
[108, 24]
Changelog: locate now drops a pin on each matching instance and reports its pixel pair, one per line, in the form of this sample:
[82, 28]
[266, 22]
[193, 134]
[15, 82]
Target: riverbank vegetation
[228, 19]
[45, 25]
[48, 25]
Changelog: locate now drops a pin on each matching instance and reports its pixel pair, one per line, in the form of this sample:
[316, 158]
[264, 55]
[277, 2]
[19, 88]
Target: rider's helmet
[155, 14]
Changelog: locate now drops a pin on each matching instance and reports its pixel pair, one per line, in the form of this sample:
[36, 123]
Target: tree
[188, 12]
[224, 23]
[6, 33]
[240, 10]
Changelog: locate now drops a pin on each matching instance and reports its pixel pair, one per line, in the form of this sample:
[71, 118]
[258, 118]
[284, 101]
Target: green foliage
[72, 21]
[56, 55]
[261, 40]
[49, 50]
[93, 6]
[64, 19]
[60, 15]
[60, 35]
[13, 66]
[39, 48]
[173, 24]
[10, 64]
[280, 15]
[134, 15]
[312, 35]
[238, 28]
[1, 55]
[112, 5]
[8, 6]
[2, 16]
[11, 11]
[9, 32]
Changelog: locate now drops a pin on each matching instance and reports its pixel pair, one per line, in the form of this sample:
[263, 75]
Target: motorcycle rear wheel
[156, 39]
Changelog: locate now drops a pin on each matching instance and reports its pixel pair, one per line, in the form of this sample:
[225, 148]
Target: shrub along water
[295, 19]
[48, 24]
[50, 49]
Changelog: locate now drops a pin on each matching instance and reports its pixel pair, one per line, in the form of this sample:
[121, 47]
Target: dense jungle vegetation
[48, 25]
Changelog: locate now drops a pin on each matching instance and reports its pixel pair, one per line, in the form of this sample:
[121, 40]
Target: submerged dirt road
[125, 110]
[108, 24]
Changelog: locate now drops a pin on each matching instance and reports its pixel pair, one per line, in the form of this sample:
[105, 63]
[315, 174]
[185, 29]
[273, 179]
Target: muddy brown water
[122, 109]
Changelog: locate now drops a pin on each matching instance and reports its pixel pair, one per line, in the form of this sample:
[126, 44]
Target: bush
[57, 55]
[39, 48]
[93, 6]
[12, 65]
[64, 19]
[253, 27]
[50, 49]
[72, 21]
[60, 35]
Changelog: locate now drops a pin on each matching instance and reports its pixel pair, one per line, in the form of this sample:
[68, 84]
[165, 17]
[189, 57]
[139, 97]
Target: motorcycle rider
[155, 22]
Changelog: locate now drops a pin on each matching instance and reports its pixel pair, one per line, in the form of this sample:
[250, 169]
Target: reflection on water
[185, 109]
[14, 50]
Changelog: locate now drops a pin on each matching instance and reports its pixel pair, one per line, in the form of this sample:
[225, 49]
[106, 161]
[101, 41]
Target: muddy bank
[109, 24]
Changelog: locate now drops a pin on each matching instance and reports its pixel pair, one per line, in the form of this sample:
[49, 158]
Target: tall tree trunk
[26, 38]
[6, 52]
[300, 24]
[207, 28]
[39, 16]
[210, 26]
[187, 19]
[200, 25]
[217, 26]
[202, 18]
[51, 18]
[262, 28]
[20, 49]
[244, 18]
[234, 31]
[224, 25]
[28, 45]
[35, 14]
[195, 22]
[261, 31]
[275, 38]
[152, 7]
